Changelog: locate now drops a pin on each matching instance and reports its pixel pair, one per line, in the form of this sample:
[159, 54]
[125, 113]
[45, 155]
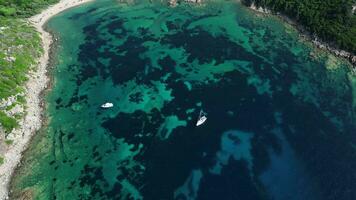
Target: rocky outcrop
[259, 9]
[174, 3]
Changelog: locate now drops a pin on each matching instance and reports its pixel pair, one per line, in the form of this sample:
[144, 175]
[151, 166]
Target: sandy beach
[36, 84]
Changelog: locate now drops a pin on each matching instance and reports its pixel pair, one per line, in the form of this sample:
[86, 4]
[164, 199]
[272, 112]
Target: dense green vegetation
[7, 122]
[23, 8]
[20, 46]
[331, 20]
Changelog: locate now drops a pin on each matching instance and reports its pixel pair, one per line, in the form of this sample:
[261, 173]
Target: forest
[331, 20]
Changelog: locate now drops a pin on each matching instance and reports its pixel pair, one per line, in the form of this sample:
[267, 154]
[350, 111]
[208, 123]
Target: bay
[281, 114]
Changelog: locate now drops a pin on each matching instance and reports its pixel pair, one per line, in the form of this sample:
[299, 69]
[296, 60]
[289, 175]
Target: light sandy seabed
[36, 84]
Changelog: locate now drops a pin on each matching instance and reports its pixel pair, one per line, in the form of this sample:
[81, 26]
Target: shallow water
[281, 116]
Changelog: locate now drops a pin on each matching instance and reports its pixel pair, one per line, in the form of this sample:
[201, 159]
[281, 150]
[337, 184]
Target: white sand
[37, 83]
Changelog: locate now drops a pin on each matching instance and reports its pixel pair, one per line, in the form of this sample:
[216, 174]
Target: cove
[281, 114]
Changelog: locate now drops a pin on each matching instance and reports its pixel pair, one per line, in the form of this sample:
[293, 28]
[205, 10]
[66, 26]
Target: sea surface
[281, 115]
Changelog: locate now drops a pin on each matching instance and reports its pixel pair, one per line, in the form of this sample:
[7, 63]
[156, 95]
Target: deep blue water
[281, 115]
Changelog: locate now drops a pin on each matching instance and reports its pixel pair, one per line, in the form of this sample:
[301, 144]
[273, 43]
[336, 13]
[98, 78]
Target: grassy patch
[1, 160]
[9, 142]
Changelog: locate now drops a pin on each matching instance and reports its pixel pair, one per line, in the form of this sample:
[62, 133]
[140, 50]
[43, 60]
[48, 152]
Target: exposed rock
[7, 102]
[174, 3]
[353, 59]
[2, 28]
[10, 59]
[259, 9]
[17, 109]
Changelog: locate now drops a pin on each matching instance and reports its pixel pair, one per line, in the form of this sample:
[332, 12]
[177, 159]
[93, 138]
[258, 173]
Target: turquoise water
[281, 115]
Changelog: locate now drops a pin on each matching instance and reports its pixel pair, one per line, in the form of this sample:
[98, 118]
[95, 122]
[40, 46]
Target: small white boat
[107, 105]
[202, 118]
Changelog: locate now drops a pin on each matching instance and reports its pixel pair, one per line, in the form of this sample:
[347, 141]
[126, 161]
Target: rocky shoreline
[37, 83]
[174, 3]
[313, 38]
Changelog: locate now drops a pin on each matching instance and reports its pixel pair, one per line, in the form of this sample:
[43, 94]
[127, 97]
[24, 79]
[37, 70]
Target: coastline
[36, 84]
[304, 34]
[51, 182]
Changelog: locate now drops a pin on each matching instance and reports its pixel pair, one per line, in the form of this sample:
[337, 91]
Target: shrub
[8, 123]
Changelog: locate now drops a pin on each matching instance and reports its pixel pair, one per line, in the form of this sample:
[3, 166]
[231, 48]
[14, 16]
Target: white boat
[202, 118]
[107, 105]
